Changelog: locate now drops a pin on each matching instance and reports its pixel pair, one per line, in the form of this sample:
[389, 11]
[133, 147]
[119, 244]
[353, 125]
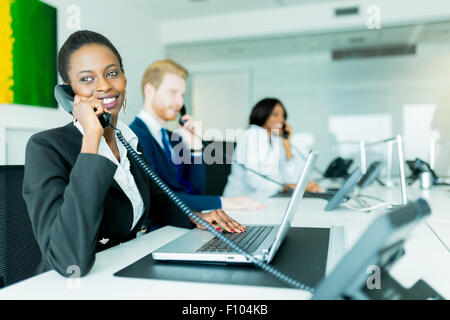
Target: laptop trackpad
[187, 243]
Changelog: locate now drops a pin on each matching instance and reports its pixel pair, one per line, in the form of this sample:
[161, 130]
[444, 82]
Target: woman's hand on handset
[86, 111]
[287, 132]
[286, 136]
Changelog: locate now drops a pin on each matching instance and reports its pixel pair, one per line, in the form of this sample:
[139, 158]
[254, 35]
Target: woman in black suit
[82, 192]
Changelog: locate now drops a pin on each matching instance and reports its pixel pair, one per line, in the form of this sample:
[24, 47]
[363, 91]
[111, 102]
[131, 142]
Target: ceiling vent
[348, 11]
[361, 53]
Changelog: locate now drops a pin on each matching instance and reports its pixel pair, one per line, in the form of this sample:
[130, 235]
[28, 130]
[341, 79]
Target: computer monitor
[344, 191]
[380, 246]
[371, 175]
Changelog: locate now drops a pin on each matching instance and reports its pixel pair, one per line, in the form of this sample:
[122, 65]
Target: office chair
[217, 173]
[19, 251]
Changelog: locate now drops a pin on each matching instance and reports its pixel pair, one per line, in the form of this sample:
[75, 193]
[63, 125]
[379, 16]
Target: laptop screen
[293, 204]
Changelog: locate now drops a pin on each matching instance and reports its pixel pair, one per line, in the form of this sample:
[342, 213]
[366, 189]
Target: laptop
[262, 241]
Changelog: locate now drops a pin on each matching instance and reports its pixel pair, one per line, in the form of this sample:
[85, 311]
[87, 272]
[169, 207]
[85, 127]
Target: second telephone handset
[182, 113]
[285, 132]
[64, 95]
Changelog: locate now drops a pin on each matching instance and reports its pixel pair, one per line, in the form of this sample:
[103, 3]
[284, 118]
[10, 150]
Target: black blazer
[74, 202]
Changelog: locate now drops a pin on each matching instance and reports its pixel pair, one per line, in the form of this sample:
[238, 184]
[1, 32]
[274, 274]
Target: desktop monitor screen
[343, 191]
[372, 173]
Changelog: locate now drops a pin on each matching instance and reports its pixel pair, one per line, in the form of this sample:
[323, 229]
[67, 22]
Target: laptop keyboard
[248, 240]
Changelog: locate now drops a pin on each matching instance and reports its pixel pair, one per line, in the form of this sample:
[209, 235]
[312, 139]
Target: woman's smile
[109, 102]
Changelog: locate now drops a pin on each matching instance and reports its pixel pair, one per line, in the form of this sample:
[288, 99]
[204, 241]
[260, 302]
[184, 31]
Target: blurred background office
[346, 70]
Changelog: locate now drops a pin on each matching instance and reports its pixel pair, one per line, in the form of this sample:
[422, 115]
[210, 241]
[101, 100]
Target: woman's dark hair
[75, 41]
[263, 109]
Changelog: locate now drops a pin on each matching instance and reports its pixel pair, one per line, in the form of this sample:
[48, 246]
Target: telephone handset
[338, 168]
[182, 113]
[285, 132]
[418, 166]
[65, 95]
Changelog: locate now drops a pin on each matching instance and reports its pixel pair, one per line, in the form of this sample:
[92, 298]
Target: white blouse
[258, 151]
[123, 175]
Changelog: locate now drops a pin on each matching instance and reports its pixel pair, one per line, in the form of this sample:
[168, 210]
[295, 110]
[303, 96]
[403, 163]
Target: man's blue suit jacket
[167, 171]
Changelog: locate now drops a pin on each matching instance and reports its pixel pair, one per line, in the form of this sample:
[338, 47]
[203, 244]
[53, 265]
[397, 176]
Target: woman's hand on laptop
[313, 187]
[288, 187]
[310, 187]
[240, 203]
[221, 221]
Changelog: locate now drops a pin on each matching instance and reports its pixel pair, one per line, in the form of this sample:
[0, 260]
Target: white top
[258, 151]
[123, 175]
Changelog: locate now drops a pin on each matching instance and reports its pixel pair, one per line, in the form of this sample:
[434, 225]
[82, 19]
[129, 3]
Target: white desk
[426, 258]
[442, 231]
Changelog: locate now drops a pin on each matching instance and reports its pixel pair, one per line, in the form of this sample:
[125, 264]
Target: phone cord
[187, 211]
[229, 160]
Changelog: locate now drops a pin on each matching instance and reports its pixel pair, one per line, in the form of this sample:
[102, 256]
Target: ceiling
[300, 44]
[279, 45]
[177, 9]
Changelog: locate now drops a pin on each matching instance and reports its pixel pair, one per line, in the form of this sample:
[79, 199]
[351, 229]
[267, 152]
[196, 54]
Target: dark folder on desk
[303, 256]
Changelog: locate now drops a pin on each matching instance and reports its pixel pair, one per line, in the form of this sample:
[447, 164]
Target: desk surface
[426, 256]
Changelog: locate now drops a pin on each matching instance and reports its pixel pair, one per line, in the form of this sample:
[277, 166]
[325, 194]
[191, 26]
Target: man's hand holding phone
[190, 131]
[287, 131]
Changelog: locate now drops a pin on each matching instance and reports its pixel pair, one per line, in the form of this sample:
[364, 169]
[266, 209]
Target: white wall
[217, 96]
[136, 36]
[318, 91]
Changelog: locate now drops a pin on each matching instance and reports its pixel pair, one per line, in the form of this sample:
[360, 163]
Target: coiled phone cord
[187, 211]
